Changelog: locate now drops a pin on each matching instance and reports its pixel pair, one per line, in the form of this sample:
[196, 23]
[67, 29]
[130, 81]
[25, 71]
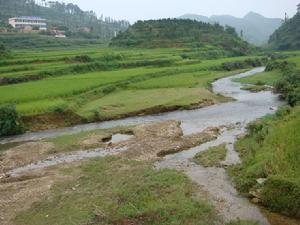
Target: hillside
[67, 17]
[256, 28]
[287, 37]
[181, 33]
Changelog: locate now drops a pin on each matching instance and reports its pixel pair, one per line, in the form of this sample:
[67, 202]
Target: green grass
[193, 79]
[115, 191]
[41, 106]
[264, 78]
[212, 156]
[62, 86]
[126, 101]
[271, 151]
[295, 60]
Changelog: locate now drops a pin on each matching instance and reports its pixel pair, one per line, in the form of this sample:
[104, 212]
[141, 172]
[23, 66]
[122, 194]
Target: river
[247, 107]
[213, 181]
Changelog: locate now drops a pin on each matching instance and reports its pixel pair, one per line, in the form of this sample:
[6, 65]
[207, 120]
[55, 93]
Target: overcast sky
[133, 10]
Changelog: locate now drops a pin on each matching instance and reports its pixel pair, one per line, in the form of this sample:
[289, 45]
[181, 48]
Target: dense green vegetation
[283, 73]
[4, 51]
[289, 84]
[115, 191]
[183, 33]
[9, 121]
[287, 37]
[271, 151]
[66, 17]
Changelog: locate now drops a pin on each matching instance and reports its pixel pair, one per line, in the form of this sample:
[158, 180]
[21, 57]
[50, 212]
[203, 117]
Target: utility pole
[242, 33]
[286, 17]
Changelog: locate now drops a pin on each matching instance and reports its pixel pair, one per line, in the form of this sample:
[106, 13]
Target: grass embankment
[212, 156]
[271, 151]
[282, 73]
[265, 78]
[115, 191]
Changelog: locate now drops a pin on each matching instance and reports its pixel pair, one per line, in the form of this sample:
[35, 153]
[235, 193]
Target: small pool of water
[120, 137]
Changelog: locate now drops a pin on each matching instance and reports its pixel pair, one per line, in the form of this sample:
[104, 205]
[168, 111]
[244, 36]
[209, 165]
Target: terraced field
[105, 83]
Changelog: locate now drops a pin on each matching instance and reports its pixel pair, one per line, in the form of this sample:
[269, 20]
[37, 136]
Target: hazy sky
[133, 10]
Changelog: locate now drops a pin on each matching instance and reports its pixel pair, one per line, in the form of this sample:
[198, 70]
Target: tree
[242, 34]
[230, 30]
[9, 121]
[4, 52]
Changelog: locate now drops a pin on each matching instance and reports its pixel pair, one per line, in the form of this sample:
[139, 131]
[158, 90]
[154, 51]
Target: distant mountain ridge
[256, 28]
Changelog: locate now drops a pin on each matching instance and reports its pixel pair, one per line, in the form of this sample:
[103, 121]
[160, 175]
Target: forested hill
[67, 17]
[287, 37]
[181, 33]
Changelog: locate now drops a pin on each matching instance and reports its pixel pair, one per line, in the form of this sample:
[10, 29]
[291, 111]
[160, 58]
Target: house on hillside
[28, 23]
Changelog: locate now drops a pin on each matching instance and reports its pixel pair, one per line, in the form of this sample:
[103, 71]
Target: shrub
[83, 58]
[282, 194]
[273, 65]
[259, 83]
[109, 89]
[293, 97]
[59, 108]
[289, 86]
[97, 115]
[9, 121]
[229, 66]
[112, 57]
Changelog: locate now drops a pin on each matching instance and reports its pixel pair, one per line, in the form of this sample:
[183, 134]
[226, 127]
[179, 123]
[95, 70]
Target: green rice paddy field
[107, 82]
